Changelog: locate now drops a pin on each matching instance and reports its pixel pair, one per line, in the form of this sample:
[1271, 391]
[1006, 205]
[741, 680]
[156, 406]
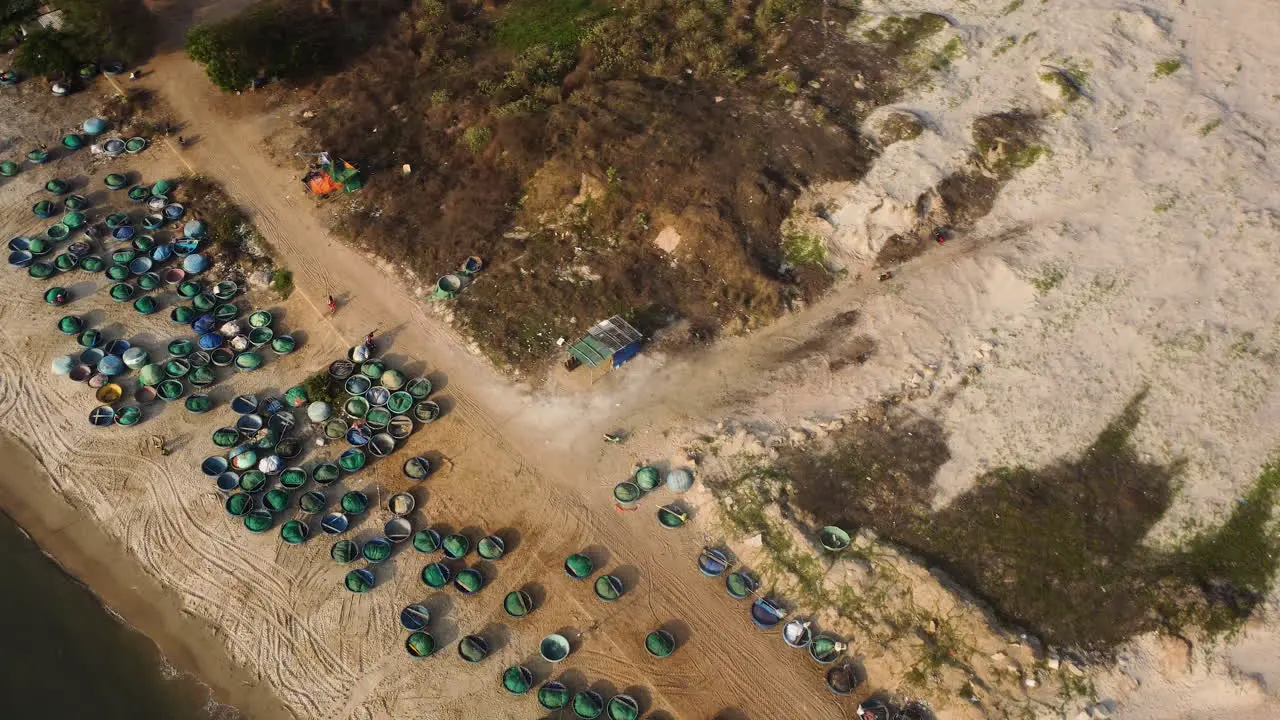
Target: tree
[215, 47]
[109, 29]
[45, 52]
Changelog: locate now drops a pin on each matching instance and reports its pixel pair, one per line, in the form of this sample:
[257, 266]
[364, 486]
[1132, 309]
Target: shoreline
[99, 563]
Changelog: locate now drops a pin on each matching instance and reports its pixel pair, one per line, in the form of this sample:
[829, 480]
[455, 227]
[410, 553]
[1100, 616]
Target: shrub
[554, 23]
[287, 40]
[282, 282]
[317, 387]
[45, 52]
[803, 248]
[476, 137]
[1168, 67]
[91, 30]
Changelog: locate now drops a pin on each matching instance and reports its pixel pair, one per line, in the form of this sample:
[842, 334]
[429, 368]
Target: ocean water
[63, 655]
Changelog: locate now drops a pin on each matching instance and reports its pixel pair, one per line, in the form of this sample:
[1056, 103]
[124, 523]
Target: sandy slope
[1158, 205]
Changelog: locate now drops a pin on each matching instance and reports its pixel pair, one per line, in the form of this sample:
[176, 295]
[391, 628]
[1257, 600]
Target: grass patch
[1168, 67]
[948, 54]
[282, 282]
[318, 387]
[803, 248]
[1007, 142]
[1011, 7]
[1208, 128]
[900, 33]
[232, 236]
[1006, 44]
[1050, 277]
[1070, 79]
[900, 127]
[554, 23]
[476, 138]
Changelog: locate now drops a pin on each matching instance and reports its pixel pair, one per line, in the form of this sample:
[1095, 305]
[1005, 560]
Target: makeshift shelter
[612, 341]
[331, 174]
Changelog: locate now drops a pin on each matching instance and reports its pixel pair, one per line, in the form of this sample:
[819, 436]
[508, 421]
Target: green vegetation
[1168, 67]
[943, 58]
[900, 127]
[1209, 127]
[1070, 78]
[557, 24]
[48, 53]
[231, 233]
[318, 388]
[282, 282]
[1166, 205]
[1060, 549]
[902, 32]
[476, 138]
[803, 248]
[1005, 45]
[92, 30]
[1235, 564]
[1051, 276]
[288, 39]
[1007, 142]
[1011, 7]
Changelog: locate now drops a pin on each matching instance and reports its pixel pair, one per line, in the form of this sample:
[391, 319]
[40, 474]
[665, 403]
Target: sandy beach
[99, 561]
